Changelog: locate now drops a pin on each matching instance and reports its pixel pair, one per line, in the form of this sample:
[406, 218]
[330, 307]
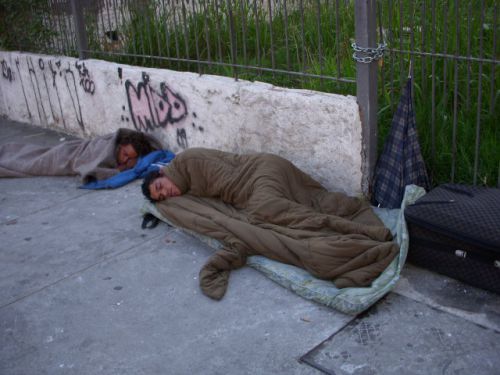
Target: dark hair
[138, 141]
[148, 180]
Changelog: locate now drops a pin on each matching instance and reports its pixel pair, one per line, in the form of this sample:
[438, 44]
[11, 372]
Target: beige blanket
[262, 204]
[91, 159]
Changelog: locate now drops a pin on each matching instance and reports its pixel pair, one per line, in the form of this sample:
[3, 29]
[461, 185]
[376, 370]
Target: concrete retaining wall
[320, 133]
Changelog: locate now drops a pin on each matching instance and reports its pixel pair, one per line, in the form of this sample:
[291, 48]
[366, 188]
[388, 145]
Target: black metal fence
[448, 46]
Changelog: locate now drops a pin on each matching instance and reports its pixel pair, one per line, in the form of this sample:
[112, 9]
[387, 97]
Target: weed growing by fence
[23, 25]
[455, 98]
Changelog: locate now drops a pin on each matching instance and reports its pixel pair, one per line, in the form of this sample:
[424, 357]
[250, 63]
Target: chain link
[370, 54]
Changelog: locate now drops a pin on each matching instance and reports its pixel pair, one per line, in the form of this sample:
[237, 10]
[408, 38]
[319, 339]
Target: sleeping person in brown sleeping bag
[261, 204]
[91, 159]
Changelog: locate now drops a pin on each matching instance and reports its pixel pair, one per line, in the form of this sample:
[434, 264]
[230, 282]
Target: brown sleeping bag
[261, 204]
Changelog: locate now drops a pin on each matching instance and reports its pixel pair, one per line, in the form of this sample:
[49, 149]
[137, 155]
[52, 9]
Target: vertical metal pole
[81, 33]
[232, 30]
[366, 87]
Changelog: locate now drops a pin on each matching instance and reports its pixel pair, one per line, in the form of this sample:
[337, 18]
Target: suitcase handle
[453, 189]
[458, 190]
[433, 202]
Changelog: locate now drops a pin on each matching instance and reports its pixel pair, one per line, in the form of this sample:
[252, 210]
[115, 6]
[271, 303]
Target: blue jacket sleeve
[152, 161]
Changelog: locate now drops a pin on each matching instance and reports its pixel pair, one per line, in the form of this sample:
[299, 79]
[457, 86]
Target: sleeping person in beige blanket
[261, 204]
[91, 159]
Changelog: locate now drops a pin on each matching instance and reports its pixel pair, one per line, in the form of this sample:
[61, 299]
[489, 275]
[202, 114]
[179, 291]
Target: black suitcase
[455, 230]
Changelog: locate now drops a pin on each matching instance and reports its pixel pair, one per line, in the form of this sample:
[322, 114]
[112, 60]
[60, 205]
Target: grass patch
[458, 131]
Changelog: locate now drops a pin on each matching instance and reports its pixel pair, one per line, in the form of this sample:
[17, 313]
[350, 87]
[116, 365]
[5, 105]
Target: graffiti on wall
[22, 86]
[150, 109]
[47, 81]
[85, 81]
[72, 89]
[35, 84]
[7, 71]
[54, 68]
[182, 138]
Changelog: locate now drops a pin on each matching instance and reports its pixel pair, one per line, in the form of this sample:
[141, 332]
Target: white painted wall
[320, 133]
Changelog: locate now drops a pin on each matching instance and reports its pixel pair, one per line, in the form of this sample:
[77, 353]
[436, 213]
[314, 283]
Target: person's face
[162, 188]
[127, 157]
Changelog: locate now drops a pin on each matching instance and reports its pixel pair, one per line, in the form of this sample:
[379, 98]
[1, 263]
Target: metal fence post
[81, 33]
[366, 86]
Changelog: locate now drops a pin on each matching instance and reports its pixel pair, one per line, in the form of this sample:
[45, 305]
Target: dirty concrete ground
[85, 290]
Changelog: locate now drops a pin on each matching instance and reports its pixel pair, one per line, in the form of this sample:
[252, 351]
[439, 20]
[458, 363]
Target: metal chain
[370, 54]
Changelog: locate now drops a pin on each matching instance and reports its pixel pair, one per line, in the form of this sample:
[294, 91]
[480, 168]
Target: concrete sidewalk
[85, 290]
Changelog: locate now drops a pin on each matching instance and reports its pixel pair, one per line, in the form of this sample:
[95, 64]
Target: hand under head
[157, 187]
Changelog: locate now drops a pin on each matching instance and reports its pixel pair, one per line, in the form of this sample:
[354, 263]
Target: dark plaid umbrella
[401, 162]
